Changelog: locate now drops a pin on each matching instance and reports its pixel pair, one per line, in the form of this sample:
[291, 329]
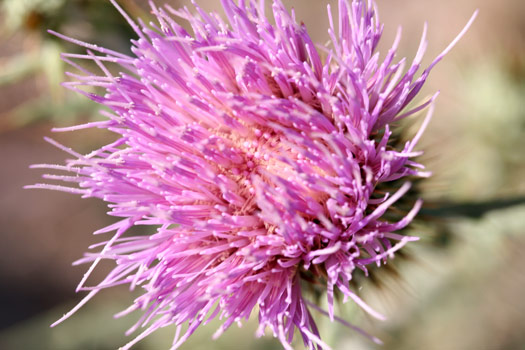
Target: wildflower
[255, 158]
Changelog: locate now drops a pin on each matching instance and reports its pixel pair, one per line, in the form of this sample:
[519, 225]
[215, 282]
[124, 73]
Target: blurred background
[464, 285]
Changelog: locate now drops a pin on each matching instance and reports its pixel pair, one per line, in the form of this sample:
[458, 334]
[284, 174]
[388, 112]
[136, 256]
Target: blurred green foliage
[19, 14]
[27, 21]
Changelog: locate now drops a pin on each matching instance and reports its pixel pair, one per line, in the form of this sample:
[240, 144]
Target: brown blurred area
[467, 294]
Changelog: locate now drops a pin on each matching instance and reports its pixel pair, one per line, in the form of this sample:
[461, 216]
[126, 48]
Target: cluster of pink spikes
[254, 155]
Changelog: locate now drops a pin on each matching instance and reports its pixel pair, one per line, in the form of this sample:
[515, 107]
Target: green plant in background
[19, 12]
[37, 54]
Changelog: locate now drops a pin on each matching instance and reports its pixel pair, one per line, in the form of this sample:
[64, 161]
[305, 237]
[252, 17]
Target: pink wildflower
[254, 156]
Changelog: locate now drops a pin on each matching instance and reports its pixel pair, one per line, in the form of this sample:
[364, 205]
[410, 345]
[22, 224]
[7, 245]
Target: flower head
[255, 157]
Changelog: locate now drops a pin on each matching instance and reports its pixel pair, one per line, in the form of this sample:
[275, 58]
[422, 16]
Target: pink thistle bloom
[255, 155]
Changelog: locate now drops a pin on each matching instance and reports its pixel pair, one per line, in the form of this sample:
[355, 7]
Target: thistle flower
[255, 156]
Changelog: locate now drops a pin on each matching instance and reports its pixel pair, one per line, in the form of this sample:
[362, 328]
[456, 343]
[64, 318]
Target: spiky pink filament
[256, 159]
